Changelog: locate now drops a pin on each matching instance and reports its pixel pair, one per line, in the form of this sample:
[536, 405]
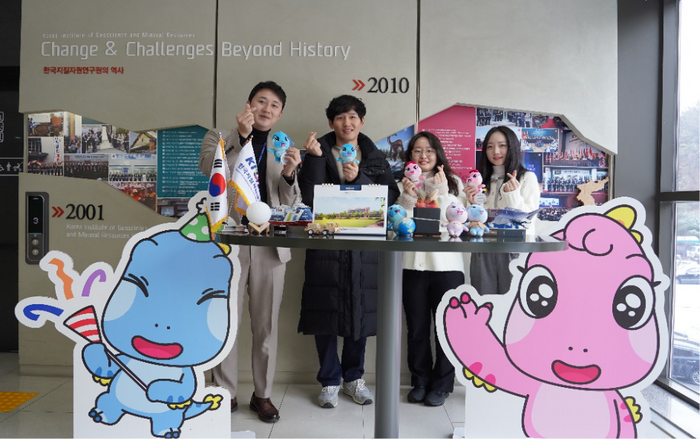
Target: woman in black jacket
[339, 297]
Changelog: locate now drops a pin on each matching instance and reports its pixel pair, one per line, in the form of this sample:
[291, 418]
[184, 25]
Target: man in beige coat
[264, 278]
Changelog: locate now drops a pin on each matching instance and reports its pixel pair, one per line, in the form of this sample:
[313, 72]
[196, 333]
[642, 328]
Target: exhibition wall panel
[136, 64]
[545, 56]
[193, 67]
[317, 50]
[90, 222]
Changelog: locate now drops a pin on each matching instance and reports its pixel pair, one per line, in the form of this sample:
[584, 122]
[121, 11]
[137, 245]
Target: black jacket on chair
[340, 286]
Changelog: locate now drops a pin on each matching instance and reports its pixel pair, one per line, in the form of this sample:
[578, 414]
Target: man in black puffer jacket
[339, 297]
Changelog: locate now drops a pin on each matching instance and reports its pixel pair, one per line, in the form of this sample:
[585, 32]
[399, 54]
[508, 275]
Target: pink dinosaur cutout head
[585, 317]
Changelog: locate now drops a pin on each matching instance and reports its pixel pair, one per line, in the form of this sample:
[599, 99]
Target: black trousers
[332, 369]
[422, 292]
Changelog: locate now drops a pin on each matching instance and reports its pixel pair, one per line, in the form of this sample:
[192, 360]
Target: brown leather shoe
[264, 408]
[234, 404]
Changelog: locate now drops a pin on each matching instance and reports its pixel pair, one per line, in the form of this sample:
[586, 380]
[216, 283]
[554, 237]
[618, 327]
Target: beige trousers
[263, 273]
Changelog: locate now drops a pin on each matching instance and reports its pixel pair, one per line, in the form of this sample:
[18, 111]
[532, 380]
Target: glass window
[688, 152]
[685, 352]
[685, 349]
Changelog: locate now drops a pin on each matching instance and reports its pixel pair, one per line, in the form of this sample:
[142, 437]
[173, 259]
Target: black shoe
[234, 404]
[417, 394]
[435, 398]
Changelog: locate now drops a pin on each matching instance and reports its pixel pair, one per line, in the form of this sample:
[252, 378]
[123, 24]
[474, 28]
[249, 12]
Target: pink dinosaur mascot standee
[585, 330]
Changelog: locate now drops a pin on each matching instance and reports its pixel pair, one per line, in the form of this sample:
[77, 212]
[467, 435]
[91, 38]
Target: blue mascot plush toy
[477, 217]
[348, 154]
[395, 213]
[281, 144]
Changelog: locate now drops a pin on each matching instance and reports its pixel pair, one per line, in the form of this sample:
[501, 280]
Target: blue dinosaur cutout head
[281, 143]
[171, 304]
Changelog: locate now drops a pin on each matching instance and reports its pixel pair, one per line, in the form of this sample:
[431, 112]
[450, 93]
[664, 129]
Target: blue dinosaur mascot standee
[168, 312]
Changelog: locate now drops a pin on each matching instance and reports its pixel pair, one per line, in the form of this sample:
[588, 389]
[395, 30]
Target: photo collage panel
[65, 144]
[550, 149]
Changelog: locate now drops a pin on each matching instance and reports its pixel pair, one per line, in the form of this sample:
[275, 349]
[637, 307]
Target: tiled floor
[50, 414]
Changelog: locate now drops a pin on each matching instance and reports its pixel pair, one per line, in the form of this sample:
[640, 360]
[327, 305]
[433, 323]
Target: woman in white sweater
[427, 276]
[509, 184]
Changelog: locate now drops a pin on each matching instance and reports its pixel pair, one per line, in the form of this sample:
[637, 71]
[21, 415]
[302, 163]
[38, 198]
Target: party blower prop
[84, 323]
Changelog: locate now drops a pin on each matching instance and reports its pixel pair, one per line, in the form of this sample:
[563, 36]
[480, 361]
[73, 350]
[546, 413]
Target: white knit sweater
[526, 198]
[433, 261]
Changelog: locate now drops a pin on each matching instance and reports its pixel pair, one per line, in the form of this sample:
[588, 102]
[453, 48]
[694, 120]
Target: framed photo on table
[358, 210]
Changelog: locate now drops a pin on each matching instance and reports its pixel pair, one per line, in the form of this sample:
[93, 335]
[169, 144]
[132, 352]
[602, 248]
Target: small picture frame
[358, 210]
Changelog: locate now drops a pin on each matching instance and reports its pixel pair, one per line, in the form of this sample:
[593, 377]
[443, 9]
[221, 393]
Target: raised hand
[439, 176]
[312, 146]
[512, 184]
[245, 120]
[474, 344]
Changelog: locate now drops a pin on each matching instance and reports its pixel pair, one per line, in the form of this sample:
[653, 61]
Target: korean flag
[217, 202]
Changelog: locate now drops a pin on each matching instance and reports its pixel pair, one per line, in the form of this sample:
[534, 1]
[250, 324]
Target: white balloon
[258, 213]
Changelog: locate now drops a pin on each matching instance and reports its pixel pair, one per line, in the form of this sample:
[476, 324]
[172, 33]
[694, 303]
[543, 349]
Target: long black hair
[440, 158]
[512, 162]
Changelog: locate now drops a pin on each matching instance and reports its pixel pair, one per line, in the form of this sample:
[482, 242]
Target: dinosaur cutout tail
[635, 409]
[211, 402]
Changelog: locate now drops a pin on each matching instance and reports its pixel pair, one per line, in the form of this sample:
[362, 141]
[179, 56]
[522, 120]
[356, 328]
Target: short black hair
[273, 87]
[343, 104]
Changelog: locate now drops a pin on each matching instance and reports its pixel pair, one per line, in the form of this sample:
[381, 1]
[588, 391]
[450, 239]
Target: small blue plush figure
[280, 145]
[405, 227]
[395, 213]
[347, 154]
[477, 216]
[168, 312]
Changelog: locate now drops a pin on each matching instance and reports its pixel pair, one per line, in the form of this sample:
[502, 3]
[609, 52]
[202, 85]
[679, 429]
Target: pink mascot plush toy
[456, 215]
[413, 172]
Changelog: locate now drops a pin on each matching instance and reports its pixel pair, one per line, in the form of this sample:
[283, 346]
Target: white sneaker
[358, 391]
[328, 398]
